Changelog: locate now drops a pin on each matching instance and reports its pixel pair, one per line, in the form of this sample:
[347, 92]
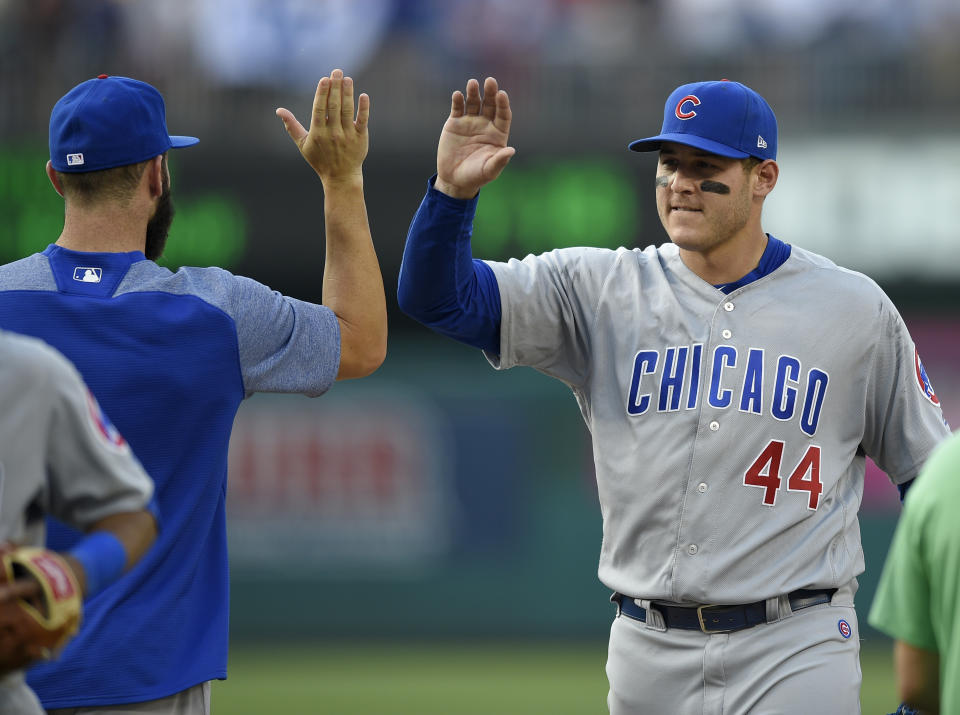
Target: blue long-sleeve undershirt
[441, 285]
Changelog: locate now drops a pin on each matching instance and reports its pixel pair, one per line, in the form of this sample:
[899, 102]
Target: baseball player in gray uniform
[733, 385]
[60, 455]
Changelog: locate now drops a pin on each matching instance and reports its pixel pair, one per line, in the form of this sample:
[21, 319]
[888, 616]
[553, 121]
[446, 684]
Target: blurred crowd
[251, 41]
[882, 54]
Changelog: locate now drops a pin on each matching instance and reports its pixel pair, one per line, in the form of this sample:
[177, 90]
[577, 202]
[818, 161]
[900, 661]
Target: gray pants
[16, 698]
[193, 701]
[801, 663]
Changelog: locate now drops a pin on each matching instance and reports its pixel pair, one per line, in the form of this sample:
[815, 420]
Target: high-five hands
[473, 144]
[336, 144]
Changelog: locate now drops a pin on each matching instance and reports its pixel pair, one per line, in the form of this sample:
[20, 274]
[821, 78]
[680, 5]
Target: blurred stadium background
[426, 540]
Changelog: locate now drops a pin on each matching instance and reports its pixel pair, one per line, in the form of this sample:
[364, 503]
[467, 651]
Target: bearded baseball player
[733, 385]
[60, 456]
[171, 357]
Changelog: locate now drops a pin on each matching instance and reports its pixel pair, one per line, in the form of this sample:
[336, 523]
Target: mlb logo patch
[87, 274]
[926, 387]
[74, 159]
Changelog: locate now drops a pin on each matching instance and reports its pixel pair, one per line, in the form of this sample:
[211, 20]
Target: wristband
[103, 558]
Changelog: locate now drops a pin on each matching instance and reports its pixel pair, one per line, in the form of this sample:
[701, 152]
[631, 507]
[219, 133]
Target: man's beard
[159, 225]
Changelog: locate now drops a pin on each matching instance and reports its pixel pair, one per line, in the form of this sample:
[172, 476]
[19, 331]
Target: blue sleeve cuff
[902, 488]
[467, 206]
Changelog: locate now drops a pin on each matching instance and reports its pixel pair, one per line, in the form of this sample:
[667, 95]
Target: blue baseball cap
[722, 117]
[107, 122]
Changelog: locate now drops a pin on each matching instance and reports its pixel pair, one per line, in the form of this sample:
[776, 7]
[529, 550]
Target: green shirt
[919, 590]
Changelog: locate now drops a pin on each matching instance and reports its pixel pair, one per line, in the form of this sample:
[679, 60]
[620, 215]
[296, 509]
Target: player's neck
[728, 261]
[104, 230]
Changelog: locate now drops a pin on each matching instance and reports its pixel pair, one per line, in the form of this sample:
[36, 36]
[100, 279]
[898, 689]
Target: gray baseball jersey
[729, 431]
[59, 455]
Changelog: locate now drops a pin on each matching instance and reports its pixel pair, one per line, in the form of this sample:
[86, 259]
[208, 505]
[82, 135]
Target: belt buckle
[703, 626]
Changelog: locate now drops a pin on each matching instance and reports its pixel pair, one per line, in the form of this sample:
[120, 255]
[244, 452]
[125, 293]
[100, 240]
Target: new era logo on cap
[721, 117]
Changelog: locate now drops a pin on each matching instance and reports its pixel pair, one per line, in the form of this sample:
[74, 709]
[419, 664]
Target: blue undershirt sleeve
[441, 285]
[902, 488]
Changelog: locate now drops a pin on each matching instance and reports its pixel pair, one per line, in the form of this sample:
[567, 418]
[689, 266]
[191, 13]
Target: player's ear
[52, 175]
[154, 176]
[766, 173]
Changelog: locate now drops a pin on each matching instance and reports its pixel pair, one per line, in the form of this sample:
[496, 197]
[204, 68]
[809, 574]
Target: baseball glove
[40, 605]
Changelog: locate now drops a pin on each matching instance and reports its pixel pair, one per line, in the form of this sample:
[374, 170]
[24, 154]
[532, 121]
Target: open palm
[473, 144]
[336, 143]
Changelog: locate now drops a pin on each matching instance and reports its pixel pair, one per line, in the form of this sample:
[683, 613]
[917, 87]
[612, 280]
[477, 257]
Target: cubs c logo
[926, 387]
[844, 628]
[681, 113]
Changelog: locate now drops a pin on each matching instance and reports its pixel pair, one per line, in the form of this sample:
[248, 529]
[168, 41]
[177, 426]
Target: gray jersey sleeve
[903, 420]
[286, 344]
[91, 470]
[549, 307]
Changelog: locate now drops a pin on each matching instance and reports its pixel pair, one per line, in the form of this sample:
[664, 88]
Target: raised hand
[336, 144]
[473, 144]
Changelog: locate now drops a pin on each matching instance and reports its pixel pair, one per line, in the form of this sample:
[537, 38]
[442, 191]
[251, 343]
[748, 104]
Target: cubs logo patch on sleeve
[923, 381]
[103, 426]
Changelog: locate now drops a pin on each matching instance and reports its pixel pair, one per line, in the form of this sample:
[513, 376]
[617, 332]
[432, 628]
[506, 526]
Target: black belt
[720, 619]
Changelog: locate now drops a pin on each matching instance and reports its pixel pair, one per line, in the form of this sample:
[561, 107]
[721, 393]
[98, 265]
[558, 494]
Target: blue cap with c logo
[721, 117]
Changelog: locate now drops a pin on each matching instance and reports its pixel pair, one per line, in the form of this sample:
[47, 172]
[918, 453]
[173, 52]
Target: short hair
[92, 187]
[750, 162]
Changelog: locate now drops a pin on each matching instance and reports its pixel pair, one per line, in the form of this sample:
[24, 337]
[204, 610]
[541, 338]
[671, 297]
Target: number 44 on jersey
[765, 474]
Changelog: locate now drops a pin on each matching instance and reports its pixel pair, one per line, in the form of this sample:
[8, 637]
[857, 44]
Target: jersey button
[714, 426]
[692, 549]
[726, 334]
[702, 487]
[728, 306]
